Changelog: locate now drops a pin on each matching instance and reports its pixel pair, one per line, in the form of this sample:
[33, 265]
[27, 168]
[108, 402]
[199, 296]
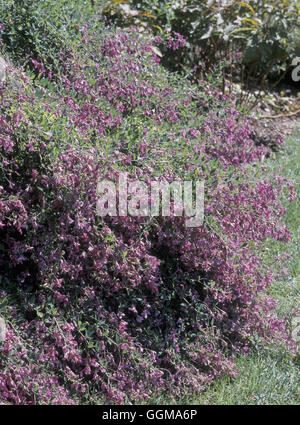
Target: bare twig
[291, 114]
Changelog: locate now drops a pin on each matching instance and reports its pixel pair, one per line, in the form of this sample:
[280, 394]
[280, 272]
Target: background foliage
[262, 33]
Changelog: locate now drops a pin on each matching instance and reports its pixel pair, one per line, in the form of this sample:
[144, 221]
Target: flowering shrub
[121, 309]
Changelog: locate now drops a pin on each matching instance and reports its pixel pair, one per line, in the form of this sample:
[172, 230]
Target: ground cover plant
[123, 309]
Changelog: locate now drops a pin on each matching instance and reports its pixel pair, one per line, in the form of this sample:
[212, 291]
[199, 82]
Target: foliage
[43, 30]
[262, 32]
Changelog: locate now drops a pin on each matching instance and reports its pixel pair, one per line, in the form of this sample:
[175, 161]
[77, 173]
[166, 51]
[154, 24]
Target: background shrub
[262, 34]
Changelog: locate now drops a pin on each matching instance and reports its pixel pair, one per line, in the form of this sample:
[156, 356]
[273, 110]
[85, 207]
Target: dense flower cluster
[123, 308]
